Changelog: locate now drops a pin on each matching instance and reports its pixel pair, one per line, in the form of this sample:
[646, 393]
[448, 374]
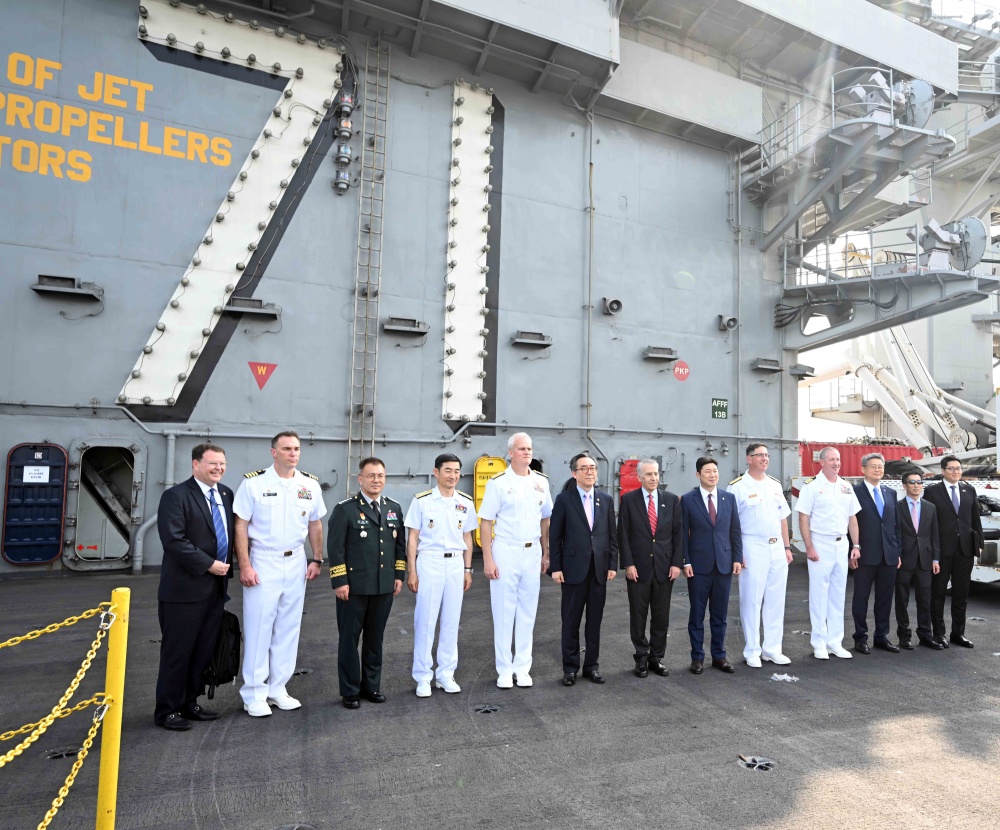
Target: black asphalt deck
[907, 740]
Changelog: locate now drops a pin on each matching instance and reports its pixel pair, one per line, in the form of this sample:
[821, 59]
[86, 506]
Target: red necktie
[711, 509]
[651, 512]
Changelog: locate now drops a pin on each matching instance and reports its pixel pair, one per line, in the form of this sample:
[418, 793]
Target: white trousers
[514, 600]
[272, 617]
[827, 590]
[440, 588]
[762, 593]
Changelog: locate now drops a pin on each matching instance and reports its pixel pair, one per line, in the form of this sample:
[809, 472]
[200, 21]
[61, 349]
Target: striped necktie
[651, 511]
[221, 539]
[879, 502]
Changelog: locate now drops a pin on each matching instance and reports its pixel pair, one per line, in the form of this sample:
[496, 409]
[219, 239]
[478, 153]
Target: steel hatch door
[34, 504]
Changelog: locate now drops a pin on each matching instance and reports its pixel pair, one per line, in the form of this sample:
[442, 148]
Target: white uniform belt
[517, 543]
[835, 536]
[753, 537]
[446, 554]
[264, 551]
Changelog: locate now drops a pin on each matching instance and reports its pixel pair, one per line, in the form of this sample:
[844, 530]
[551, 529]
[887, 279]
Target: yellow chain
[48, 720]
[58, 801]
[49, 629]
[96, 700]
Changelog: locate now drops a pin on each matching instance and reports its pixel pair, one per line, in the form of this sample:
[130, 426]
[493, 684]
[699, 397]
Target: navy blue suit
[711, 551]
[879, 537]
[584, 557]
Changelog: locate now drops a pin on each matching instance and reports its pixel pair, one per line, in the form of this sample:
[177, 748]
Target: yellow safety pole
[114, 695]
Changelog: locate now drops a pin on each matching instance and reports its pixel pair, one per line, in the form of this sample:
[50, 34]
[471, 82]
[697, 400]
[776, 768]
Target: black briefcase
[225, 663]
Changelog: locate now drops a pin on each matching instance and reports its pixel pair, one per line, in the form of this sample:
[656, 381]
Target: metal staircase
[374, 102]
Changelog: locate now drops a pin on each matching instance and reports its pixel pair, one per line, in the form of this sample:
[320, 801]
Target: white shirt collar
[206, 487]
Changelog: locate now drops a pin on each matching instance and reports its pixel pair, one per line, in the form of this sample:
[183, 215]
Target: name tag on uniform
[752, 496]
[305, 493]
[461, 508]
[268, 495]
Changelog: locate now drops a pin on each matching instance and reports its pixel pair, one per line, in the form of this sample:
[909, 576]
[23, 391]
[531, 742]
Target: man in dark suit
[713, 554]
[652, 553]
[367, 551]
[583, 556]
[919, 556]
[960, 530]
[878, 536]
[195, 521]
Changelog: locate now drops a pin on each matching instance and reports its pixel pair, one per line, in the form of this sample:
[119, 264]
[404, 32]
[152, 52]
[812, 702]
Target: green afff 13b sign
[720, 409]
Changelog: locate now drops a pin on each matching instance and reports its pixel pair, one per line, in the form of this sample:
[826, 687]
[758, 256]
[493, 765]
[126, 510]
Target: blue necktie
[221, 540]
[954, 497]
[879, 504]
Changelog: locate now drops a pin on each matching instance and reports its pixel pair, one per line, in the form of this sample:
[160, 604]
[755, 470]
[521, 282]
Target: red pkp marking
[681, 370]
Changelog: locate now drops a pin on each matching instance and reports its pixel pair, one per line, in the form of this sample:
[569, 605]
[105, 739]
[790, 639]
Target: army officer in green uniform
[367, 549]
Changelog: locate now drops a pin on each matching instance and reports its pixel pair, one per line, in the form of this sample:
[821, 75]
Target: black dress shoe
[942, 640]
[175, 723]
[659, 668]
[934, 644]
[862, 648]
[959, 640]
[351, 702]
[641, 667]
[594, 676]
[197, 713]
[697, 666]
[723, 665]
[569, 679]
[907, 644]
[885, 645]
[374, 697]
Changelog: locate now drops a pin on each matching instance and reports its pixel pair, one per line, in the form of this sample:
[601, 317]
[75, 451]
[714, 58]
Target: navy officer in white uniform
[766, 557]
[517, 505]
[277, 511]
[439, 572]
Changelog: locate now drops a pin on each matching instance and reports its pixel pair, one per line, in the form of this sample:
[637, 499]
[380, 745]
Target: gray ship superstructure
[404, 226]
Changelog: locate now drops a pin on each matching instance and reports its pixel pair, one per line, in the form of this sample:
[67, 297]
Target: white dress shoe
[840, 651]
[448, 684]
[524, 680]
[778, 659]
[285, 702]
[424, 689]
[753, 662]
[821, 654]
[505, 681]
[257, 709]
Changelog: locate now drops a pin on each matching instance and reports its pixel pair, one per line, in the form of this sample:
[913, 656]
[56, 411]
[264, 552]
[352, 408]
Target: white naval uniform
[442, 522]
[762, 506]
[828, 505]
[516, 505]
[279, 511]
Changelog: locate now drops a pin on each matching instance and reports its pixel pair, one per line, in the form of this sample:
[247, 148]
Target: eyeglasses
[875, 466]
[220, 465]
[759, 455]
[373, 476]
[914, 483]
[953, 469]
[589, 468]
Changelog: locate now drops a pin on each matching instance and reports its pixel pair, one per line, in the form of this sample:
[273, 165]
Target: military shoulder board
[254, 473]
[424, 493]
[309, 475]
[541, 474]
[459, 492]
[731, 483]
[773, 478]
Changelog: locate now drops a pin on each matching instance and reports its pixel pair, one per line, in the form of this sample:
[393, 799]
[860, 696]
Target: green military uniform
[367, 551]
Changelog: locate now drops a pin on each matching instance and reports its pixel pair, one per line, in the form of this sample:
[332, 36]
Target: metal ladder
[364, 365]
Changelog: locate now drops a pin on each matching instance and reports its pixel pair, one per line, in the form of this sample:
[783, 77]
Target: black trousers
[653, 599]
[921, 582]
[361, 617]
[590, 595]
[957, 568]
[883, 577]
[189, 631]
